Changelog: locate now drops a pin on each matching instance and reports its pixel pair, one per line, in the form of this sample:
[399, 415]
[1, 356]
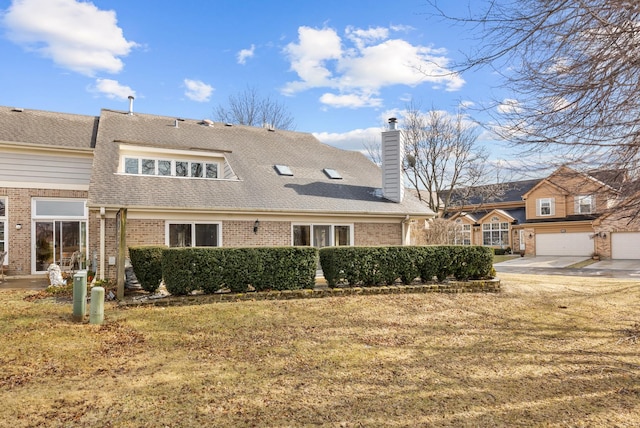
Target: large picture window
[193, 234]
[322, 235]
[495, 234]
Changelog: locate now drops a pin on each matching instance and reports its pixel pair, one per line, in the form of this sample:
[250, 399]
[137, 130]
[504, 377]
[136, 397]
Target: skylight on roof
[332, 174]
[283, 170]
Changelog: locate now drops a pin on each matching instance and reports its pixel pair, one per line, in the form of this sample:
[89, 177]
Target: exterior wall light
[256, 225]
[18, 226]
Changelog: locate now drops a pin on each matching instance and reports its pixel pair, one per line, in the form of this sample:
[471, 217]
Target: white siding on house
[625, 245]
[41, 168]
[564, 244]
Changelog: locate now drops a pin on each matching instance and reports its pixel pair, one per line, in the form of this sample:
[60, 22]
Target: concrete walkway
[34, 282]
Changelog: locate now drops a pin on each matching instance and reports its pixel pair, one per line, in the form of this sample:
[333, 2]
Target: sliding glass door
[59, 230]
[56, 240]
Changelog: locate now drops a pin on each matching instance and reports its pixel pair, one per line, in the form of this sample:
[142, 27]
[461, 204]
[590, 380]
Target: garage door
[625, 245]
[564, 244]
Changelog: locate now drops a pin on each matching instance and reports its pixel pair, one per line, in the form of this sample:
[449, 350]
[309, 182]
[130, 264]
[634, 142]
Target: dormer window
[151, 161]
[170, 168]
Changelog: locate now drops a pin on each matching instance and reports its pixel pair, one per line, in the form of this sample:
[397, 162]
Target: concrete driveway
[541, 262]
[559, 265]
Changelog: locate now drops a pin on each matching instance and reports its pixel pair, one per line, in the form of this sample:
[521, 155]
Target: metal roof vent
[17, 109]
[131, 98]
[206, 122]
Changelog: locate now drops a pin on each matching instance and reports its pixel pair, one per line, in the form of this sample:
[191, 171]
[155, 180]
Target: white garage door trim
[625, 245]
[564, 244]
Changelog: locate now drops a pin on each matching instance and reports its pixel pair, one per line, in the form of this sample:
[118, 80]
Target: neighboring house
[566, 213]
[65, 179]
[489, 215]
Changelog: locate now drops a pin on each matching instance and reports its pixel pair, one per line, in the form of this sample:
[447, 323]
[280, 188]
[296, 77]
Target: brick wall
[617, 222]
[377, 234]
[237, 233]
[19, 212]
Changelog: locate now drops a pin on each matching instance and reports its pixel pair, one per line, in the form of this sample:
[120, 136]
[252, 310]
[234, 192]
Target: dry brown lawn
[546, 351]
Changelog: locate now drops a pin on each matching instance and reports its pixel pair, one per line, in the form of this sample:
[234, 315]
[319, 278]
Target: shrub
[373, 265]
[209, 269]
[147, 265]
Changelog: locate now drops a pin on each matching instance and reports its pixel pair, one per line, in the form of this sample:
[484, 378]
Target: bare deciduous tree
[250, 108]
[573, 71]
[438, 231]
[441, 154]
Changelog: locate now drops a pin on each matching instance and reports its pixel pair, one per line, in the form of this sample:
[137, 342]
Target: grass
[504, 258]
[547, 351]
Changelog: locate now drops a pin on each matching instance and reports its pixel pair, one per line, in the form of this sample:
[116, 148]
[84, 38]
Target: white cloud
[362, 37]
[197, 90]
[509, 106]
[75, 35]
[351, 140]
[350, 100]
[112, 89]
[244, 54]
[363, 62]
[310, 55]
[465, 104]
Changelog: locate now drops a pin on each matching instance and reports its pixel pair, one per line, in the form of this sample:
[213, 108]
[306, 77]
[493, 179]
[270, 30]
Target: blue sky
[341, 67]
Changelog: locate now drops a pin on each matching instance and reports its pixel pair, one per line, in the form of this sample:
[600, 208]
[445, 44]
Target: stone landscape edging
[472, 286]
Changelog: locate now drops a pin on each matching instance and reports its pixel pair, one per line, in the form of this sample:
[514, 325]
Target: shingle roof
[47, 128]
[503, 192]
[252, 153]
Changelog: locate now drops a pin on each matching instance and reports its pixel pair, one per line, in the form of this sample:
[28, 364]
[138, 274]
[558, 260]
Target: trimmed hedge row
[209, 269]
[147, 265]
[370, 266]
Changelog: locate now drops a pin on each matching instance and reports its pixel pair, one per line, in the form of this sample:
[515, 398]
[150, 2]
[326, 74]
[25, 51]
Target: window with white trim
[545, 207]
[495, 233]
[322, 235]
[193, 234]
[164, 162]
[462, 233]
[171, 167]
[585, 204]
[3, 227]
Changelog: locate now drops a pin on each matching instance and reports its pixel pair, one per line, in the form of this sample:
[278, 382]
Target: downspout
[406, 231]
[102, 242]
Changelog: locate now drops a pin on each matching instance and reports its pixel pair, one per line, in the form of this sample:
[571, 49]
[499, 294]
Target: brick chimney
[392, 152]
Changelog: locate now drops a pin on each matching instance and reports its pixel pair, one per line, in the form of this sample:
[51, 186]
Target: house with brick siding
[71, 183]
[568, 213]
